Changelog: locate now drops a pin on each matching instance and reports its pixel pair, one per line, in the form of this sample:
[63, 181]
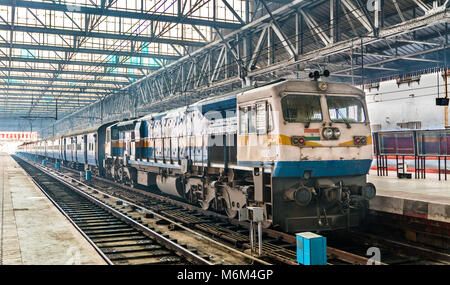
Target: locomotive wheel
[119, 174]
[231, 213]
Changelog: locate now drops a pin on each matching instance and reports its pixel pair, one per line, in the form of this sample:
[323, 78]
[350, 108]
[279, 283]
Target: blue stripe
[219, 105]
[157, 164]
[266, 164]
[322, 168]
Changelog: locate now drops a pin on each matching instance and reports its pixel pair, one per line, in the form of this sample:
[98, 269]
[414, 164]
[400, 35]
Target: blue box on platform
[311, 249]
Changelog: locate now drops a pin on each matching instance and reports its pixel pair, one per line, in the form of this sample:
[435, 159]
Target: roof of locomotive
[296, 85]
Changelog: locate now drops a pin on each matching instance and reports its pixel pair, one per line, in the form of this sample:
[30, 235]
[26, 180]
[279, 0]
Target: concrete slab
[33, 231]
[423, 198]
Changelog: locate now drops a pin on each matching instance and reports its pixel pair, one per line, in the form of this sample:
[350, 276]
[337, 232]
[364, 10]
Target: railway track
[119, 239]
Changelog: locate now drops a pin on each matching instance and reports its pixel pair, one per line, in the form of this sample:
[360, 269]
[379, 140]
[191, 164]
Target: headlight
[328, 133]
[336, 133]
[322, 86]
[331, 133]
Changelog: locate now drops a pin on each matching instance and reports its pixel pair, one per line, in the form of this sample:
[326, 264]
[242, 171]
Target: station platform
[32, 230]
[422, 198]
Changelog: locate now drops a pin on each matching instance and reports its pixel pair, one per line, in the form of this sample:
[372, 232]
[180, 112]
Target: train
[297, 150]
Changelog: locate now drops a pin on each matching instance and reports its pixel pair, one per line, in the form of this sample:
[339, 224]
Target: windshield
[345, 109]
[301, 108]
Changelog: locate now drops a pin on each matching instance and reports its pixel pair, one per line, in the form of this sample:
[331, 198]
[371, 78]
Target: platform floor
[425, 198]
[32, 230]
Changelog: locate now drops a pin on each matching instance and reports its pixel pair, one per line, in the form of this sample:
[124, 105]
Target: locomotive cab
[312, 142]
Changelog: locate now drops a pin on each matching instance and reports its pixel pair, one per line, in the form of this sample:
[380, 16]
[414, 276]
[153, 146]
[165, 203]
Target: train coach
[82, 150]
[298, 150]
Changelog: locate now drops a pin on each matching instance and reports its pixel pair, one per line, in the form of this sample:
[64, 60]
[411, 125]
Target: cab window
[345, 109]
[301, 108]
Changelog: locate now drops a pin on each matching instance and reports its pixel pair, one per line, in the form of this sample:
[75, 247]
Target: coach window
[114, 134]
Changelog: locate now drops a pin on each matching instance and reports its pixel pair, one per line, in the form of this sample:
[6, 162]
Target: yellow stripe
[270, 140]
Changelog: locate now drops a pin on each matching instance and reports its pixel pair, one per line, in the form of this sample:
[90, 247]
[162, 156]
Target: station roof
[67, 54]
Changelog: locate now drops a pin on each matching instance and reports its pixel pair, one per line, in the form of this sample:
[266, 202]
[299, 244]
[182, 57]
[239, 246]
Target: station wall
[408, 105]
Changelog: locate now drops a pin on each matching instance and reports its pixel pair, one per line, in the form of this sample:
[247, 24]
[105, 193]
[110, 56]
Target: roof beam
[89, 50]
[51, 94]
[55, 95]
[78, 62]
[45, 86]
[25, 101]
[312, 24]
[76, 72]
[110, 12]
[413, 41]
[71, 80]
[56, 91]
[411, 56]
[41, 104]
[422, 5]
[358, 14]
[123, 36]
[405, 58]
[233, 12]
